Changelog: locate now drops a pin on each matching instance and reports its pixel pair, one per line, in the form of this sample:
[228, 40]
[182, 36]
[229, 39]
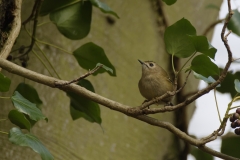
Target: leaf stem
[174, 71]
[219, 116]
[43, 23]
[43, 53]
[5, 97]
[52, 45]
[187, 61]
[3, 132]
[42, 62]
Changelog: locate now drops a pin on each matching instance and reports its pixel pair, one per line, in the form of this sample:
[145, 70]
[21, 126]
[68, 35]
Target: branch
[81, 77]
[13, 34]
[81, 91]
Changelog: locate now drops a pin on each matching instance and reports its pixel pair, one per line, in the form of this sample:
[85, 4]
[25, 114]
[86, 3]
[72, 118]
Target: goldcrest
[154, 81]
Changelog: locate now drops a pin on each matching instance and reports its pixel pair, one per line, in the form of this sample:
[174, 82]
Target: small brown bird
[154, 81]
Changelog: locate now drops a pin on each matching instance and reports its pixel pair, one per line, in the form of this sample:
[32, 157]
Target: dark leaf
[234, 23]
[169, 2]
[202, 45]
[4, 83]
[103, 7]
[53, 5]
[230, 145]
[25, 106]
[29, 93]
[88, 109]
[19, 119]
[76, 114]
[29, 140]
[227, 84]
[105, 67]
[202, 64]
[177, 40]
[73, 21]
[89, 54]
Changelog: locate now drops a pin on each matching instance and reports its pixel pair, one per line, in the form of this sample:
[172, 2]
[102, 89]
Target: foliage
[73, 20]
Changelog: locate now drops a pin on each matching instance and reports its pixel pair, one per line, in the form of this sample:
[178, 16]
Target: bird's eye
[151, 64]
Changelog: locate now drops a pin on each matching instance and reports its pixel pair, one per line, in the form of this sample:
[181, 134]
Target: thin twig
[36, 8]
[82, 77]
[33, 12]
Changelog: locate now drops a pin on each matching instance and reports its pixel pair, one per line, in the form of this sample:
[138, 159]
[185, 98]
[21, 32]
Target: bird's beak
[141, 61]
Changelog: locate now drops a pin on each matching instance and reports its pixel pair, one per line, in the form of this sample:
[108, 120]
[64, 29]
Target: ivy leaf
[230, 145]
[76, 114]
[29, 140]
[207, 80]
[237, 85]
[73, 21]
[89, 54]
[234, 23]
[5, 83]
[202, 64]
[103, 7]
[29, 93]
[170, 2]
[213, 6]
[53, 5]
[105, 67]
[25, 106]
[202, 45]
[19, 119]
[88, 109]
[225, 85]
[177, 40]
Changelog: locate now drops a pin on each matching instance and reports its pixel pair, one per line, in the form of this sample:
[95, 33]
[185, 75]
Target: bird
[154, 82]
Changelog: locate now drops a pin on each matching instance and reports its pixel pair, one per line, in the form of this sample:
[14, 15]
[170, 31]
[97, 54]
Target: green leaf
[4, 83]
[177, 40]
[234, 23]
[202, 45]
[237, 85]
[103, 7]
[29, 140]
[73, 21]
[53, 5]
[207, 80]
[200, 155]
[213, 6]
[19, 119]
[230, 145]
[89, 109]
[105, 67]
[76, 114]
[202, 64]
[225, 85]
[169, 2]
[89, 54]
[29, 93]
[25, 106]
